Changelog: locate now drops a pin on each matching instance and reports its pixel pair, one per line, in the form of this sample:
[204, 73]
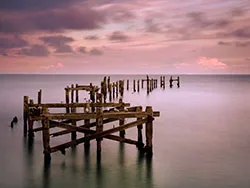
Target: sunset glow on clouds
[126, 36]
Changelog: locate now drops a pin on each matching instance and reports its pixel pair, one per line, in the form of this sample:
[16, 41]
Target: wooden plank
[64, 105]
[81, 116]
[93, 124]
[99, 134]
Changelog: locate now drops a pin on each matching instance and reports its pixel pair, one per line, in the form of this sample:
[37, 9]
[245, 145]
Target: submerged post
[77, 94]
[25, 114]
[73, 121]
[149, 131]
[138, 85]
[72, 93]
[30, 123]
[121, 120]
[46, 138]
[99, 128]
[87, 142]
[67, 99]
[127, 84]
[39, 98]
[139, 131]
[134, 85]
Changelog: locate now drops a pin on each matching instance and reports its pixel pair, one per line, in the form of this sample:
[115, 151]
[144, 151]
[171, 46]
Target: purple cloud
[82, 49]
[118, 36]
[91, 37]
[64, 49]
[95, 52]
[35, 50]
[56, 20]
[34, 4]
[56, 40]
[13, 42]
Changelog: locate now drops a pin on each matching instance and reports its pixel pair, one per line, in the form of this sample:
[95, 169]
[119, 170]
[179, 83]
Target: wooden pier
[96, 113]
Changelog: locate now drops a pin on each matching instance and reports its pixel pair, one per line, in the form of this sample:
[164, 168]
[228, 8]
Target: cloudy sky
[125, 36]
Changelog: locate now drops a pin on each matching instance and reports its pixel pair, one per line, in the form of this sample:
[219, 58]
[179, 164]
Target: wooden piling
[134, 85]
[149, 131]
[77, 94]
[25, 114]
[30, 123]
[72, 93]
[46, 138]
[121, 120]
[113, 87]
[39, 98]
[139, 130]
[110, 92]
[86, 124]
[99, 128]
[142, 81]
[117, 89]
[67, 98]
[127, 84]
[73, 121]
[138, 85]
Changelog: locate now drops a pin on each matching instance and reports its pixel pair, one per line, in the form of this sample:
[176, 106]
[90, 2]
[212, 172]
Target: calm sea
[201, 139]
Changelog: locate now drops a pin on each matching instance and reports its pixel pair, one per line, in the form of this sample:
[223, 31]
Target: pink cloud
[211, 63]
[57, 66]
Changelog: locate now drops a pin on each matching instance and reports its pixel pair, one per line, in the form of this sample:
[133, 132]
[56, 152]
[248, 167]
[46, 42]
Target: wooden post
[77, 94]
[67, 98]
[99, 128]
[30, 123]
[92, 95]
[138, 85]
[113, 87]
[147, 85]
[39, 99]
[117, 91]
[73, 133]
[149, 131]
[163, 82]
[25, 114]
[142, 83]
[121, 120]
[134, 85]
[46, 138]
[72, 93]
[139, 130]
[127, 84]
[86, 143]
[110, 92]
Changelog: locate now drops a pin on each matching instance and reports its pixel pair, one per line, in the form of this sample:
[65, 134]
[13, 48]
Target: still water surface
[201, 140]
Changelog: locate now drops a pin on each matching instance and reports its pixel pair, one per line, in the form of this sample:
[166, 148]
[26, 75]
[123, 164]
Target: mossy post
[99, 124]
[39, 98]
[77, 94]
[25, 114]
[46, 138]
[139, 130]
[138, 86]
[149, 131]
[30, 123]
[121, 120]
[73, 133]
[67, 98]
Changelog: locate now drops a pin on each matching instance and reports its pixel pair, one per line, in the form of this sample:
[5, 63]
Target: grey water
[200, 140]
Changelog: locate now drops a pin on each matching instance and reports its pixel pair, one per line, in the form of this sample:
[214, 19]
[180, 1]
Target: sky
[125, 36]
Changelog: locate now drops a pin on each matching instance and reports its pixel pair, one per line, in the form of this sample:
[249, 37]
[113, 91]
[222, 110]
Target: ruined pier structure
[96, 114]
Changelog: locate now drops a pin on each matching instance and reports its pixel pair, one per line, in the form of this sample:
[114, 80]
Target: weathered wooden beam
[99, 134]
[93, 124]
[139, 131]
[46, 138]
[81, 116]
[64, 105]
